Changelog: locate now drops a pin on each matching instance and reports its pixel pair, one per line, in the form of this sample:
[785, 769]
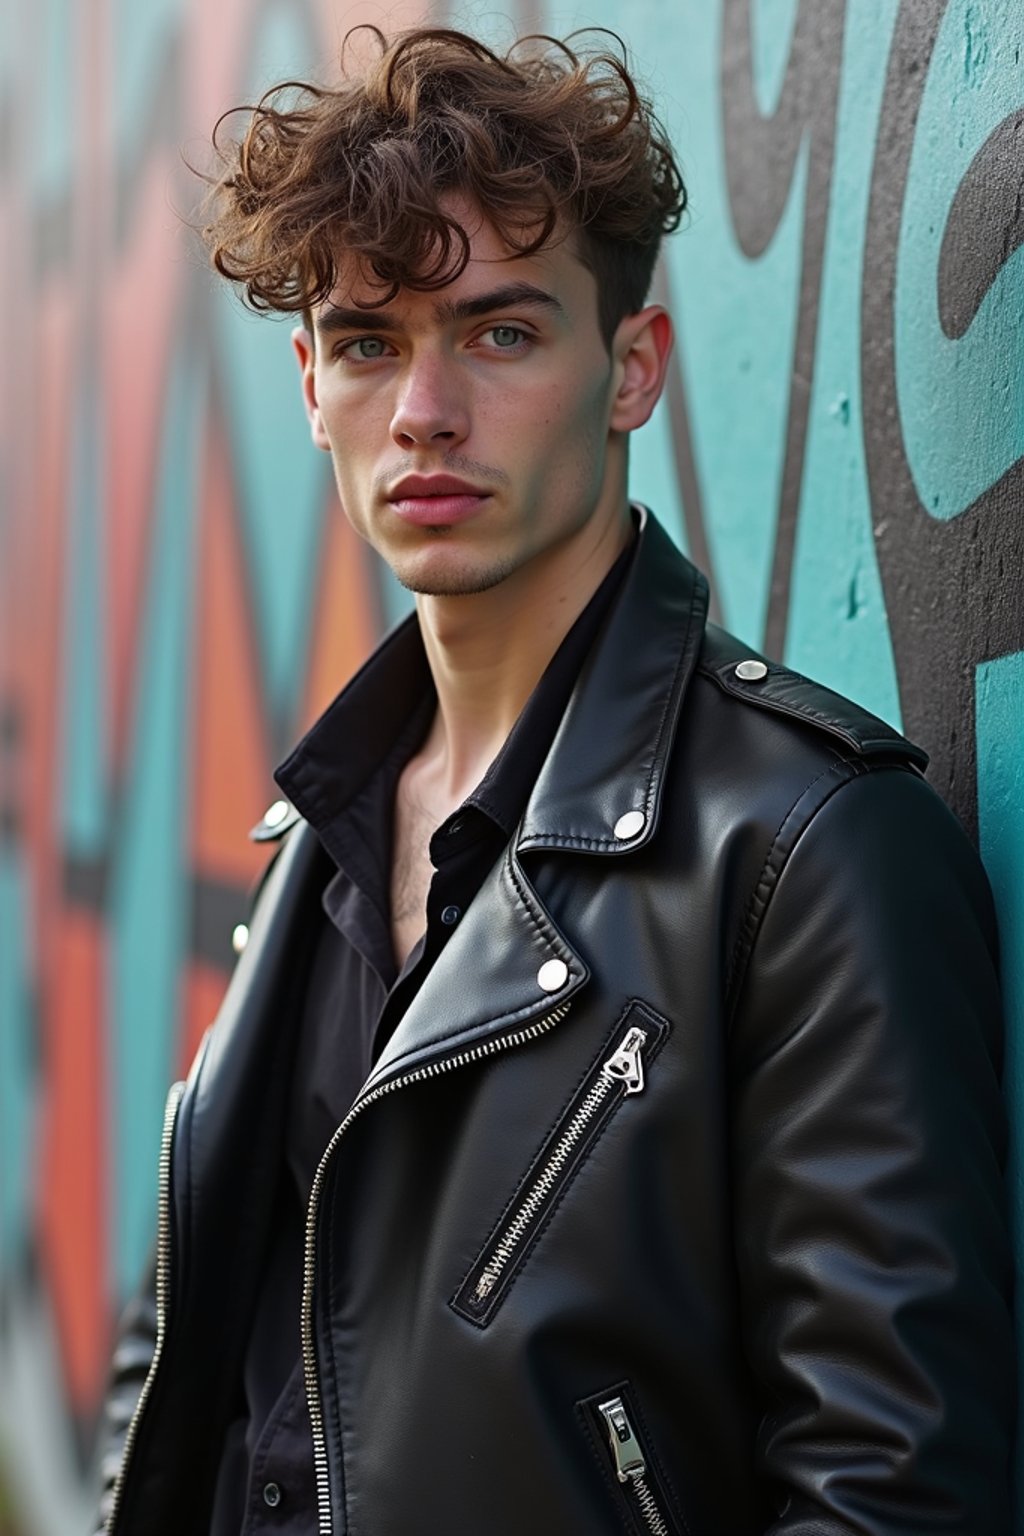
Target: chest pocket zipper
[617, 1074]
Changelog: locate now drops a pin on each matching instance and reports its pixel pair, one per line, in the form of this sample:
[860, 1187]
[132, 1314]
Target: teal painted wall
[841, 447]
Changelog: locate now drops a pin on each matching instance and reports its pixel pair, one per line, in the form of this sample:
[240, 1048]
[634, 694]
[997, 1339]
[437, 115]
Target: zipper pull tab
[626, 1065]
[629, 1460]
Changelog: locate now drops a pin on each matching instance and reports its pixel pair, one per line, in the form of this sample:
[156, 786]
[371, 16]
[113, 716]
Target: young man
[602, 1129]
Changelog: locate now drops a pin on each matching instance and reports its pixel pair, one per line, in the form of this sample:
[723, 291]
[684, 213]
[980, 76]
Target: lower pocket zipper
[647, 1505]
[630, 1463]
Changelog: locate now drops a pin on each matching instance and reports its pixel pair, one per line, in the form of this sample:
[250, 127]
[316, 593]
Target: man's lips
[435, 499]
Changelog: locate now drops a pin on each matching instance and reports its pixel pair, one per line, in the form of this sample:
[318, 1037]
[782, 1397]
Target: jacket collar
[601, 786]
[599, 789]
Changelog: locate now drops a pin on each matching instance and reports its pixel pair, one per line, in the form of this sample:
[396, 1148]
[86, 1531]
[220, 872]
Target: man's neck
[487, 651]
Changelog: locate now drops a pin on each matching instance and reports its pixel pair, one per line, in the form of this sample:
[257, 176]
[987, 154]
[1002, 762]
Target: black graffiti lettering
[760, 161]
[683, 457]
[985, 226]
[949, 604]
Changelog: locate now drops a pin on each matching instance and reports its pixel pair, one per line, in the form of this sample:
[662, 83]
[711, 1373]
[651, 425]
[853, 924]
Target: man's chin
[433, 579]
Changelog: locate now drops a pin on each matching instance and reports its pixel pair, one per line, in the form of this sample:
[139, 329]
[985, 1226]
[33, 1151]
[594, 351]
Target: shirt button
[271, 1495]
[450, 916]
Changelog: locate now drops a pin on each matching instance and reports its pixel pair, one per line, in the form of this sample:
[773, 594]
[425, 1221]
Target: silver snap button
[751, 671]
[276, 813]
[552, 975]
[629, 825]
[239, 937]
[271, 1495]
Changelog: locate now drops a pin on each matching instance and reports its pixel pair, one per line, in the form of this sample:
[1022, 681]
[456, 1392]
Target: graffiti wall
[841, 448]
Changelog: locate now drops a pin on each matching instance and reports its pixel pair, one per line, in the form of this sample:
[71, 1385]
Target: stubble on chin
[465, 583]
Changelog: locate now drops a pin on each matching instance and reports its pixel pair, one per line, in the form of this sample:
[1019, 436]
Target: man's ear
[305, 352]
[641, 348]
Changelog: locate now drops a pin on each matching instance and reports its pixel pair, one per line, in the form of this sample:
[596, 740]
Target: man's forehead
[494, 269]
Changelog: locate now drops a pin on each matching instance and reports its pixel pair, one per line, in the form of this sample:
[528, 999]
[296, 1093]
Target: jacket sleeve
[869, 1144]
[133, 1355]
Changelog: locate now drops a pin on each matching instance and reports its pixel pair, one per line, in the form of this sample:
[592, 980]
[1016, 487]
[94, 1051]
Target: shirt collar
[387, 706]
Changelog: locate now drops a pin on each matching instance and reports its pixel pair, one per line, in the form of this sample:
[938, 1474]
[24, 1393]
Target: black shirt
[343, 776]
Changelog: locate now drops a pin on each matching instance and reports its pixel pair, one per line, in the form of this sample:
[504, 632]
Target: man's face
[474, 429]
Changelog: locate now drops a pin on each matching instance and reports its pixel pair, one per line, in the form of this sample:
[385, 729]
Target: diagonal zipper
[618, 1074]
[625, 1065]
[432, 1069]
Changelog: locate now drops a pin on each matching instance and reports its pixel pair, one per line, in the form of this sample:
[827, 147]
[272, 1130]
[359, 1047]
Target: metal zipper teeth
[648, 1506]
[418, 1074]
[163, 1289]
[543, 1186]
[547, 1180]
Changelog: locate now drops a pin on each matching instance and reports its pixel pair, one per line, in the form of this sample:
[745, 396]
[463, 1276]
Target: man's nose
[431, 405]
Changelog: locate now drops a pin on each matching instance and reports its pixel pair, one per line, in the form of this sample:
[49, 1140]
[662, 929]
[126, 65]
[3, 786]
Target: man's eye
[364, 348]
[506, 337]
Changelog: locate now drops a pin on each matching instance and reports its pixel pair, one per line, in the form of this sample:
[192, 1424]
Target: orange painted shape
[142, 322]
[202, 992]
[212, 56]
[345, 621]
[43, 544]
[74, 1154]
[336, 21]
[232, 775]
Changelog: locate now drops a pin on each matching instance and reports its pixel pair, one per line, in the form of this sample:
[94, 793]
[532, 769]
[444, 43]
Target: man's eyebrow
[335, 317]
[508, 296]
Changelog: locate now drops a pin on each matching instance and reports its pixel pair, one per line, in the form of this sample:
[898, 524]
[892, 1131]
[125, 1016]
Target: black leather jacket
[674, 1203]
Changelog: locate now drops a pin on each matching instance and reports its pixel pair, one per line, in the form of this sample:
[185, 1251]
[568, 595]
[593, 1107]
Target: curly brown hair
[544, 140]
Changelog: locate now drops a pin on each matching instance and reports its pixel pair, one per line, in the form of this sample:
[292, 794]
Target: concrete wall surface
[841, 448]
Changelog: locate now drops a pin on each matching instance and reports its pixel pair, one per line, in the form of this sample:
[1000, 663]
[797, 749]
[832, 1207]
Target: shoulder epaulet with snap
[278, 818]
[768, 685]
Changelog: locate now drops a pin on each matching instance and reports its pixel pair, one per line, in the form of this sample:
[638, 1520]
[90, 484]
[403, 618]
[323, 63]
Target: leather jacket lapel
[280, 924]
[498, 973]
[600, 789]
